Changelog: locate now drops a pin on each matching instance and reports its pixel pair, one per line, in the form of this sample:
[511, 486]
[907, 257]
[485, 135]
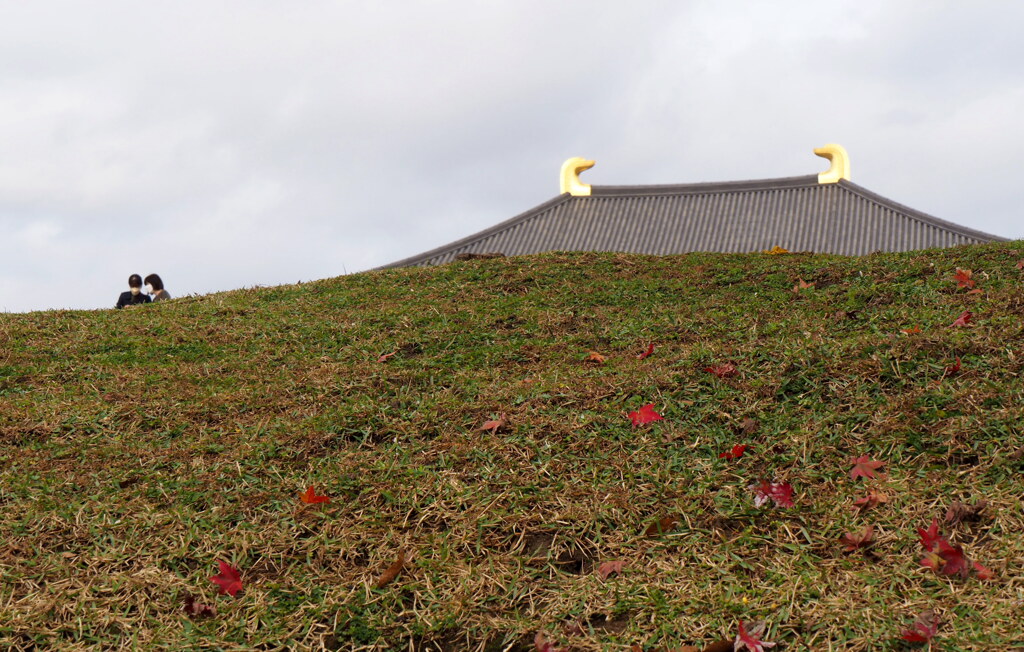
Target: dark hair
[134, 281]
[155, 281]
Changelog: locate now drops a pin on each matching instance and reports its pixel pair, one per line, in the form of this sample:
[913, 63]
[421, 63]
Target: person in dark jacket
[134, 296]
[156, 287]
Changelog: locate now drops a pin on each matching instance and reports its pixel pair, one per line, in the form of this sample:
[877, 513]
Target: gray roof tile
[795, 213]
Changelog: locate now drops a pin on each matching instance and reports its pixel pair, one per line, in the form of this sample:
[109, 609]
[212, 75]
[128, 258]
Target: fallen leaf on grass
[1020, 264]
[594, 358]
[661, 526]
[393, 570]
[196, 610]
[735, 453]
[649, 351]
[976, 291]
[873, 499]
[930, 536]
[384, 357]
[952, 369]
[925, 627]
[780, 493]
[722, 370]
[963, 320]
[311, 498]
[228, 580]
[541, 643]
[609, 568]
[855, 540]
[494, 425]
[776, 250]
[802, 285]
[959, 512]
[913, 330]
[946, 559]
[645, 415]
[864, 467]
[963, 278]
[749, 637]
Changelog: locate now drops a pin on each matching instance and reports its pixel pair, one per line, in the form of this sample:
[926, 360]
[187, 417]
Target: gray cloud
[231, 144]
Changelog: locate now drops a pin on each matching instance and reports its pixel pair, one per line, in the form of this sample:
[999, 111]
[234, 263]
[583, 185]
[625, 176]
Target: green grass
[140, 447]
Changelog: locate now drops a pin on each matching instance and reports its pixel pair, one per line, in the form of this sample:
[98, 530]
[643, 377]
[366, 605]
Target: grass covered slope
[139, 448]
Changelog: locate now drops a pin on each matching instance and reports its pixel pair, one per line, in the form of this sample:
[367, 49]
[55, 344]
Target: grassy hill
[139, 448]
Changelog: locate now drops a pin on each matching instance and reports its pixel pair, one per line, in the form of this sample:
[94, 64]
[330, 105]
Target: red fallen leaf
[735, 453]
[854, 540]
[962, 321]
[802, 285]
[976, 291]
[661, 526]
[609, 568]
[780, 493]
[749, 637]
[925, 627]
[1020, 264]
[494, 425]
[963, 278]
[946, 559]
[595, 358]
[983, 573]
[722, 370]
[310, 497]
[930, 536]
[645, 415]
[873, 499]
[541, 644]
[228, 580]
[649, 351]
[196, 610]
[952, 369]
[384, 357]
[864, 467]
[393, 570]
[913, 330]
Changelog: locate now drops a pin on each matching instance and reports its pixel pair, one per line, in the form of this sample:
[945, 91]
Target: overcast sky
[227, 144]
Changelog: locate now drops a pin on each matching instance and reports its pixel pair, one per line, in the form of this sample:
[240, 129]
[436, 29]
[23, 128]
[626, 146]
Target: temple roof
[795, 213]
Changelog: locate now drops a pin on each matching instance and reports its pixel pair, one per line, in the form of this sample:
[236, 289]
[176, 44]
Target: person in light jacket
[155, 287]
[134, 296]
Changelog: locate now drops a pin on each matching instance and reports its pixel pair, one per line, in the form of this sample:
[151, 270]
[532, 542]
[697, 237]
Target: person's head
[153, 283]
[135, 283]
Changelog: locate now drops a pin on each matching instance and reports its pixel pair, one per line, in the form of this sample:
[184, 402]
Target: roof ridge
[707, 186]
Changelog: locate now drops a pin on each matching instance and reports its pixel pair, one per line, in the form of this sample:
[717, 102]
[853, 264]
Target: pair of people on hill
[135, 295]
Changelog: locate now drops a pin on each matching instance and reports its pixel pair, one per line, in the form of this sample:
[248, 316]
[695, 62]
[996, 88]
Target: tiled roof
[795, 213]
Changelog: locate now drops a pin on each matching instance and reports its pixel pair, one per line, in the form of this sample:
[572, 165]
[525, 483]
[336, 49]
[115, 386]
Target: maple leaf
[873, 499]
[925, 627]
[959, 512]
[854, 540]
[228, 580]
[802, 285]
[963, 278]
[962, 321]
[661, 526]
[494, 425]
[864, 467]
[541, 644]
[780, 493]
[645, 415]
[983, 573]
[913, 330]
[930, 536]
[649, 351]
[594, 358]
[393, 570]
[952, 369]
[310, 498]
[196, 610]
[722, 370]
[384, 356]
[610, 568]
[946, 559]
[749, 637]
[775, 251]
[735, 453]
